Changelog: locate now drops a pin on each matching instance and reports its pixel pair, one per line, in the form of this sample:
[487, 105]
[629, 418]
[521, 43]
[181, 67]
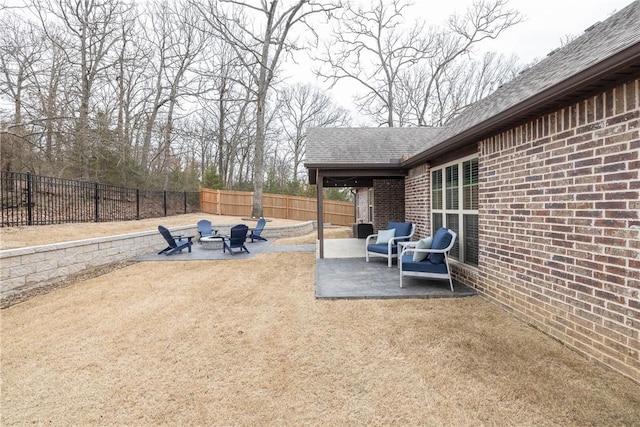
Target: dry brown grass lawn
[244, 342]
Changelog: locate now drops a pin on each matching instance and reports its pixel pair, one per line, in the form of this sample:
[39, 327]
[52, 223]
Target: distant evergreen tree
[211, 179]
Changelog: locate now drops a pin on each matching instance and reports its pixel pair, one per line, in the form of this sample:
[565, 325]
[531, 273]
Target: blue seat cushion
[382, 248]
[424, 266]
[441, 240]
[402, 228]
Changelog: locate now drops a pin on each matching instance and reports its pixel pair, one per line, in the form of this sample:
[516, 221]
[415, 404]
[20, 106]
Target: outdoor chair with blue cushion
[386, 241]
[205, 229]
[255, 234]
[234, 243]
[429, 257]
[176, 243]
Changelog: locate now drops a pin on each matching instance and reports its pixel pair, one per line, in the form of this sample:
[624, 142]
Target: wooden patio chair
[205, 229]
[234, 243]
[176, 243]
[255, 234]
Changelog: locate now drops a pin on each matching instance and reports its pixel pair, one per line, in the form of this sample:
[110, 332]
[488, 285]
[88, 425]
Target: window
[454, 204]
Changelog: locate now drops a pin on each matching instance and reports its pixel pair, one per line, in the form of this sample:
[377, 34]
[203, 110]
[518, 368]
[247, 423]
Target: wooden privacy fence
[240, 203]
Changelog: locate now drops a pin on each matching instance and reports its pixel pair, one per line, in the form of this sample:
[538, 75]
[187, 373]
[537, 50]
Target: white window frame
[460, 211]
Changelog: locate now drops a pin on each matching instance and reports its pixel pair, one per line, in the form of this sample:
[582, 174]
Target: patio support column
[320, 219]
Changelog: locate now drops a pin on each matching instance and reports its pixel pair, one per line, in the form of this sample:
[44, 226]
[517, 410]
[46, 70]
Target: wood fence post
[286, 201]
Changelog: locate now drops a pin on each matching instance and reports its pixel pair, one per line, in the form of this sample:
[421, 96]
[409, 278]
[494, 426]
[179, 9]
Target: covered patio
[358, 158]
[343, 273]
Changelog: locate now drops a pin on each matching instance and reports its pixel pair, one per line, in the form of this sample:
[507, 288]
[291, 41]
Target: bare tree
[301, 107]
[177, 43]
[131, 72]
[460, 84]
[261, 41]
[92, 29]
[34, 72]
[485, 19]
[21, 49]
[372, 48]
[379, 51]
[227, 99]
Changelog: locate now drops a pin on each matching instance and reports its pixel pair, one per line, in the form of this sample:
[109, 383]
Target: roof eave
[370, 170]
[624, 65]
[353, 166]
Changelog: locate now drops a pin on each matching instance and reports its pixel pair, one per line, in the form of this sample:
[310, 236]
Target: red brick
[557, 197]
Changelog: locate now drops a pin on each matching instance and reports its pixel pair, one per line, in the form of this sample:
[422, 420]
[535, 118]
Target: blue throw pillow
[441, 240]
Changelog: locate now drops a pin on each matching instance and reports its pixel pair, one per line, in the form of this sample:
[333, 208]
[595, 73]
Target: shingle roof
[599, 42]
[548, 81]
[372, 146]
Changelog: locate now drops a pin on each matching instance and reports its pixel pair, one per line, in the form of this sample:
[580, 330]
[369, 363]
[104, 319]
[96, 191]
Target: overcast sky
[546, 24]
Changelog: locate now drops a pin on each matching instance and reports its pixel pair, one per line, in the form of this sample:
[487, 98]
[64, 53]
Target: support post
[320, 201]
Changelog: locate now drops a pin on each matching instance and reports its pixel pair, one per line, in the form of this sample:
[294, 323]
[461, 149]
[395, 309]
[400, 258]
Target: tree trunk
[258, 166]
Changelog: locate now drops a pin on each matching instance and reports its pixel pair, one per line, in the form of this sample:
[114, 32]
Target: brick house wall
[558, 217]
[418, 200]
[388, 202]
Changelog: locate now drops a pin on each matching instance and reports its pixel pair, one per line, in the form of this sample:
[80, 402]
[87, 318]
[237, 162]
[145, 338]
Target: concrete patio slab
[354, 278]
[202, 252]
[342, 273]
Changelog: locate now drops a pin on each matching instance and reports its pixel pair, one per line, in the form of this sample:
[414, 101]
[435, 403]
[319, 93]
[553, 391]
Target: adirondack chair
[255, 234]
[205, 229]
[236, 240]
[176, 243]
[429, 257]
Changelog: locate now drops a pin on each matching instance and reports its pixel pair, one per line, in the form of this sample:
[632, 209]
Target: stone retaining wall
[27, 268]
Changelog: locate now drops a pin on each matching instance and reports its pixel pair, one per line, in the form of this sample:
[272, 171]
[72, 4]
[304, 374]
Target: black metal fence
[29, 199]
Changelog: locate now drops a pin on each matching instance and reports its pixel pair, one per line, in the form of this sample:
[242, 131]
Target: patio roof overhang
[350, 175]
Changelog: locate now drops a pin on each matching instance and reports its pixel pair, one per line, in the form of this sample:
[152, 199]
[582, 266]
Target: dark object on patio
[176, 243]
[386, 243]
[255, 233]
[205, 229]
[236, 240]
[429, 257]
[362, 230]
